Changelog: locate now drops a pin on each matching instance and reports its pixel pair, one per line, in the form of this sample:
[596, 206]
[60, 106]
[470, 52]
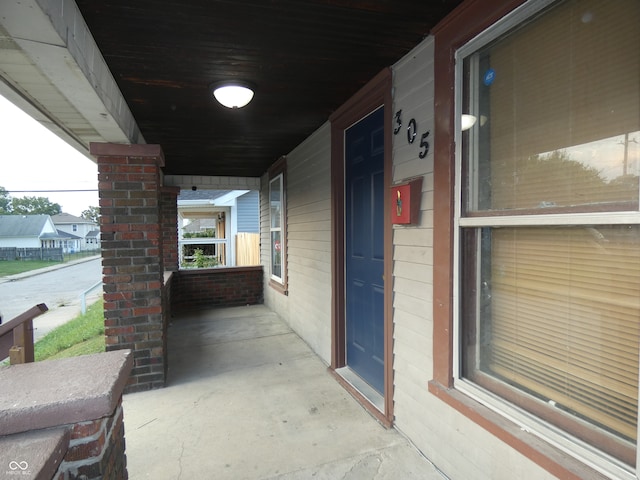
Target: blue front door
[364, 252]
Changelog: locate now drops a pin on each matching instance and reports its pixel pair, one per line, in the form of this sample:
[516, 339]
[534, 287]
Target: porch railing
[83, 296]
[16, 336]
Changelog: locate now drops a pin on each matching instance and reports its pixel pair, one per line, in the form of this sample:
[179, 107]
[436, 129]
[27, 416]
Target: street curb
[33, 273]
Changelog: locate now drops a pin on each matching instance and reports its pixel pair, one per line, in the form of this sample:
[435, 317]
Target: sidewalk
[247, 399]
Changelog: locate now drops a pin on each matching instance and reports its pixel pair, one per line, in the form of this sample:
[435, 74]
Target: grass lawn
[11, 267]
[81, 336]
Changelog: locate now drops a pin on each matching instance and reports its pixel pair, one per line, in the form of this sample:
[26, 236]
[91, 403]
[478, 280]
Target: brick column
[169, 227]
[129, 183]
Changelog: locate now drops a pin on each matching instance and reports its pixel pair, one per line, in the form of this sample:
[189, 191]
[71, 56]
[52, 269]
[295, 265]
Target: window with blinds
[549, 282]
[558, 312]
[557, 103]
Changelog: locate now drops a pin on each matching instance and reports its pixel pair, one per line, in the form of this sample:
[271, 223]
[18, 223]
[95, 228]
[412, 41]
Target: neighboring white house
[224, 214]
[27, 231]
[86, 230]
[40, 231]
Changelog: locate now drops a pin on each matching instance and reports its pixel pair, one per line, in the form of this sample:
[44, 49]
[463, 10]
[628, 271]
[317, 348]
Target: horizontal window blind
[550, 315]
[560, 123]
[565, 309]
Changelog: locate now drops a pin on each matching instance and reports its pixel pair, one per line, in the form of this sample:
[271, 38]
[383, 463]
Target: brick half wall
[225, 287]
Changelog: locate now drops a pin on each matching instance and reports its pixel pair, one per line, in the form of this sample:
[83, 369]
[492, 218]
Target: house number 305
[412, 132]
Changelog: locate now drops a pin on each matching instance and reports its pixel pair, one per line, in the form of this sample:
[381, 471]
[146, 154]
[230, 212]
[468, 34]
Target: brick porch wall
[129, 182]
[169, 227]
[72, 426]
[236, 286]
[96, 450]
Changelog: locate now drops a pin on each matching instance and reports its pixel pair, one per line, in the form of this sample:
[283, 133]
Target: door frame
[373, 95]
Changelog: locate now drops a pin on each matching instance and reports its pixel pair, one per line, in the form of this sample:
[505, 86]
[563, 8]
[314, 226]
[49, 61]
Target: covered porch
[246, 398]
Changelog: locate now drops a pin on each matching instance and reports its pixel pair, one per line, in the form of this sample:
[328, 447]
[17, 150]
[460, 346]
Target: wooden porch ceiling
[305, 57]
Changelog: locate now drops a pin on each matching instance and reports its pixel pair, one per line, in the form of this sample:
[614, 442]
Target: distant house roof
[202, 194]
[67, 218]
[22, 225]
[199, 224]
[67, 235]
[93, 234]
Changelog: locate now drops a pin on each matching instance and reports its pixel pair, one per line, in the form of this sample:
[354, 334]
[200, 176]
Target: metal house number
[398, 118]
[412, 132]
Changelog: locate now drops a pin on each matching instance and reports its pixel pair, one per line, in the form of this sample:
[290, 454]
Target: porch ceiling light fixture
[233, 94]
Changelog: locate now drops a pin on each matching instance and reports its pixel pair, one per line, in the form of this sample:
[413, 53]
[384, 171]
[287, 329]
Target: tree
[551, 180]
[34, 206]
[5, 202]
[92, 213]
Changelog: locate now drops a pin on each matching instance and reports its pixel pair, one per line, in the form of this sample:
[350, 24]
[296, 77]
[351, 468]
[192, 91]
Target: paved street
[59, 289]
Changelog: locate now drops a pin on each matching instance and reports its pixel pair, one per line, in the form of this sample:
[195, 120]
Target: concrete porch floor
[247, 399]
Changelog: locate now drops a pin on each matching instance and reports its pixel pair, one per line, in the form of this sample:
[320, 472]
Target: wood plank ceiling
[305, 57]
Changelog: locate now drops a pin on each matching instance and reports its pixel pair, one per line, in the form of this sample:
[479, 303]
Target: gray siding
[249, 212]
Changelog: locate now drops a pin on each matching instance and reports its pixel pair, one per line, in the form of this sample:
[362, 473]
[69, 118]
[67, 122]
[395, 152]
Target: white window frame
[528, 422]
[211, 214]
[279, 178]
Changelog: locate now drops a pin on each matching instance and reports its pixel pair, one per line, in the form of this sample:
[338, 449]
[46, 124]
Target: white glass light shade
[233, 95]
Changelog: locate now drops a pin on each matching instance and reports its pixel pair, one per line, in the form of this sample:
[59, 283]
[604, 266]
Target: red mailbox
[405, 202]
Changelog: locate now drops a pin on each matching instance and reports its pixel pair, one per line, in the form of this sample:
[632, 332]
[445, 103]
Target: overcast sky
[32, 159]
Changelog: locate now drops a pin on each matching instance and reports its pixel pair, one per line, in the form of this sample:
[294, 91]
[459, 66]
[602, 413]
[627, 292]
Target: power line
[50, 191]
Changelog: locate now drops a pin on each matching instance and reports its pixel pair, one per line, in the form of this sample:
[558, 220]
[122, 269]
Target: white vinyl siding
[307, 307]
[412, 247]
[456, 445]
[309, 231]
